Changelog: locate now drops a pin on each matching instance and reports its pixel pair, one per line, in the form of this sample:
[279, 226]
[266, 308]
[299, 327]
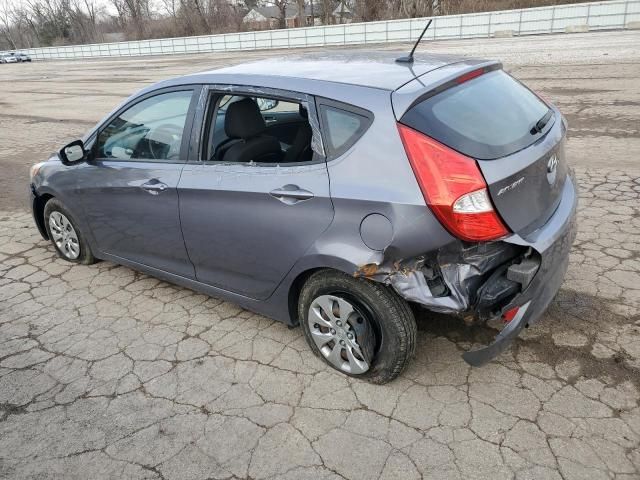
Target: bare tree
[28, 23]
[415, 8]
[225, 16]
[450, 7]
[200, 14]
[7, 13]
[171, 7]
[369, 10]
[84, 20]
[281, 5]
[301, 13]
[52, 19]
[327, 10]
[26, 27]
[133, 14]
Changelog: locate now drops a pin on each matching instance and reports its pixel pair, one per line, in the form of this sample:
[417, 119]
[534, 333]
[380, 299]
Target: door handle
[154, 186]
[291, 194]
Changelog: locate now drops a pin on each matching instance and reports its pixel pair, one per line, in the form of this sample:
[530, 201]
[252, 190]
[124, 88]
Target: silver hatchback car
[337, 192]
[9, 58]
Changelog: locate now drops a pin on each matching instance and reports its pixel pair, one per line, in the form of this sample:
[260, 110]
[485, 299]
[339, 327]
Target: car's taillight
[453, 187]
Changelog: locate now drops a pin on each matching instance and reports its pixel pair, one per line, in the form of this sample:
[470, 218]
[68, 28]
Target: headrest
[303, 112]
[243, 120]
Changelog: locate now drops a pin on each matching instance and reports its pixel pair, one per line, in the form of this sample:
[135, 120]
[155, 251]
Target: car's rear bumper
[553, 243]
[481, 281]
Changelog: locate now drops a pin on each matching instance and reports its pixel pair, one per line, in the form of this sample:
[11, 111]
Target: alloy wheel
[64, 235]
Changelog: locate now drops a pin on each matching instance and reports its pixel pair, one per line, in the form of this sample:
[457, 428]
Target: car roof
[375, 69]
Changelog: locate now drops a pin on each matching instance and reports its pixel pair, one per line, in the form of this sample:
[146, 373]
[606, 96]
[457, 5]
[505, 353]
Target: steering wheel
[166, 134]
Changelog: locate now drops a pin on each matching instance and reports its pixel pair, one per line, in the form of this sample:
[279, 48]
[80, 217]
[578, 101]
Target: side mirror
[265, 104]
[73, 153]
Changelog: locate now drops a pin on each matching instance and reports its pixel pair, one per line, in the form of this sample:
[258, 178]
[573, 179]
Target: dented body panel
[447, 280]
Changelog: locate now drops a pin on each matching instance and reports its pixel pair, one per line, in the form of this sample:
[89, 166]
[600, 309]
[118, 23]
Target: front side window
[150, 130]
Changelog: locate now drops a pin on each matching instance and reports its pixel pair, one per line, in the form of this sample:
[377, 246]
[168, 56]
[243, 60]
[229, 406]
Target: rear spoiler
[435, 81]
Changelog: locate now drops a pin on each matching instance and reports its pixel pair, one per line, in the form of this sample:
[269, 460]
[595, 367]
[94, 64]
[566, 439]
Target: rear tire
[358, 327]
[66, 237]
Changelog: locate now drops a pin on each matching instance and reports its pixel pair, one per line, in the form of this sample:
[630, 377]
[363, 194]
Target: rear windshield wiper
[540, 124]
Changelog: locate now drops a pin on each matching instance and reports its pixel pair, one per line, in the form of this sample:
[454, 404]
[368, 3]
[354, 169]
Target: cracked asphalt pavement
[109, 373]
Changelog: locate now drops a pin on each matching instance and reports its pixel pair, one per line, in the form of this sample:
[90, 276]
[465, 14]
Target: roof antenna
[409, 58]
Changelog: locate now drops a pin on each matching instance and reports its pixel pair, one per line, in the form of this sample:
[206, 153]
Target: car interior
[247, 129]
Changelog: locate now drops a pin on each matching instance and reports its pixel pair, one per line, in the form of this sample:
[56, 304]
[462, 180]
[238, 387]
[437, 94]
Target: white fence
[614, 14]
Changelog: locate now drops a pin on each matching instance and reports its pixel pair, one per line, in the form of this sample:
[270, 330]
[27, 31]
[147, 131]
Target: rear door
[516, 138]
[246, 224]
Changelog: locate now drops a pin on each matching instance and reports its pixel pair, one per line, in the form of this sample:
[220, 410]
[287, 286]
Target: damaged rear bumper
[553, 242]
[482, 281]
[480, 357]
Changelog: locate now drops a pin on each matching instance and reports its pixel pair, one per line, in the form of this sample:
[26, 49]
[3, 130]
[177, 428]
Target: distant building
[268, 17]
[342, 13]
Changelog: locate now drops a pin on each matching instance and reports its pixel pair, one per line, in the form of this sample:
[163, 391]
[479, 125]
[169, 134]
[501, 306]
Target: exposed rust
[469, 319]
[383, 272]
[368, 270]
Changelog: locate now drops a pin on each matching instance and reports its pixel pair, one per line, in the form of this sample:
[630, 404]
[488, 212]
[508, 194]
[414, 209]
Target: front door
[129, 190]
[246, 223]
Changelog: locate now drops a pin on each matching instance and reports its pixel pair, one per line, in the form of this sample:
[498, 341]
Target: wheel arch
[294, 292]
[304, 270]
[39, 203]
[43, 194]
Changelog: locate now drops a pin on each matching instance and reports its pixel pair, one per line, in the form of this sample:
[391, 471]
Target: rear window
[488, 117]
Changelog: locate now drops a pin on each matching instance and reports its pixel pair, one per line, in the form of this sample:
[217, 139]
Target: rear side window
[343, 125]
[488, 117]
[246, 129]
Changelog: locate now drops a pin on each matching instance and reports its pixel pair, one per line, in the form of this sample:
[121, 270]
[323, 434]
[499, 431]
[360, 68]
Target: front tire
[356, 326]
[66, 237]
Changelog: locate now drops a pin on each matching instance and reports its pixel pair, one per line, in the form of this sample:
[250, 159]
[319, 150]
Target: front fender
[41, 193]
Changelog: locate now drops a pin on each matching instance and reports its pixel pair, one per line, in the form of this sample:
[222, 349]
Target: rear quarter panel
[375, 177]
